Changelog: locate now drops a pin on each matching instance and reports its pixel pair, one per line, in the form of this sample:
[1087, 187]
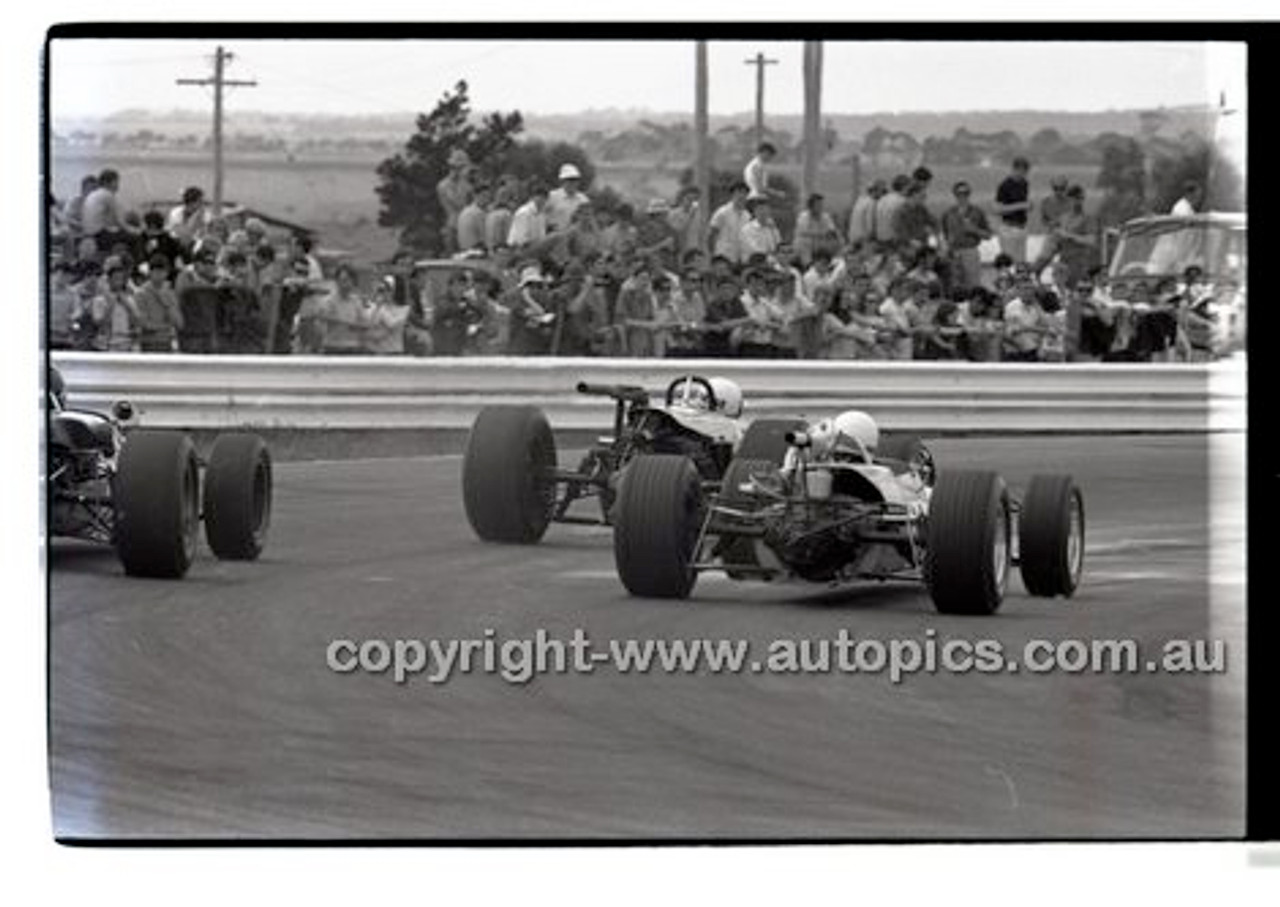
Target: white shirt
[528, 225]
[756, 178]
[759, 238]
[727, 222]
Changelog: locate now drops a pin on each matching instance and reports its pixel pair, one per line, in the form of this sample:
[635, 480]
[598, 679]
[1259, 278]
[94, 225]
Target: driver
[725, 396]
[851, 437]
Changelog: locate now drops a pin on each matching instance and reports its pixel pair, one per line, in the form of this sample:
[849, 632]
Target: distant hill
[396, 128]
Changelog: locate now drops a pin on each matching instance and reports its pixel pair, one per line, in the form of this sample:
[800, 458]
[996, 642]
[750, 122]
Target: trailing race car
[513, 488]
[846, 506]
[143, 491]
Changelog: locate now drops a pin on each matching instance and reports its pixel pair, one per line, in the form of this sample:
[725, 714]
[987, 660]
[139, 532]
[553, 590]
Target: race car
[846, 505]
[145, 491]
[513, 487]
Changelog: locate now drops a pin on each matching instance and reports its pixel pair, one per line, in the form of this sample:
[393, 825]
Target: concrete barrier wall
[306, 392]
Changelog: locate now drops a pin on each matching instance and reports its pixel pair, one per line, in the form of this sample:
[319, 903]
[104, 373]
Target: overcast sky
[94, 77]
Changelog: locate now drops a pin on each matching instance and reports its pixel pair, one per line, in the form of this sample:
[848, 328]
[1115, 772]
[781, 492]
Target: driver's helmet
[728, 396]
[856, 431]
[851, 433]
[692, 394]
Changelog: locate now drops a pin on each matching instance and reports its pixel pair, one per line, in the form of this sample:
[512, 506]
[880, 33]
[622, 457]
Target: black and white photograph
[709, 435]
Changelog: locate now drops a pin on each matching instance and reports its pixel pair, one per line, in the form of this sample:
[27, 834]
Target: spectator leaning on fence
[159, 316]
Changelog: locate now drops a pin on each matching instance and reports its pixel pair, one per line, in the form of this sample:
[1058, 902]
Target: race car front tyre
[507, 489]
[966, 564]
[1051, 536]
[766, 439]
[656, 523]
[156, 499]
[237, 496]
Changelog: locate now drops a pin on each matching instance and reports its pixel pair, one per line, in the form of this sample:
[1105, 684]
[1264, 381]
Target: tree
[1199, 163]
[408, 180]
[1123, 179]
[407, 187]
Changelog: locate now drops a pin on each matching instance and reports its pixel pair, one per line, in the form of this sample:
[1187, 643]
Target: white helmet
[729, 396]
[569, 172]
[855, 430]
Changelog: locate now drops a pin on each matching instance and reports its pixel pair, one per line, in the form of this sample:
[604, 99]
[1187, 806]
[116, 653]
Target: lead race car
[513, 487]
[846, 506]
[145, 491]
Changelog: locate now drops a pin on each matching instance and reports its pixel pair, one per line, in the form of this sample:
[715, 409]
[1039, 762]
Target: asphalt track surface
[204, 708]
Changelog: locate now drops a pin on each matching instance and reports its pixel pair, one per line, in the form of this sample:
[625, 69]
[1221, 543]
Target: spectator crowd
[541, 270]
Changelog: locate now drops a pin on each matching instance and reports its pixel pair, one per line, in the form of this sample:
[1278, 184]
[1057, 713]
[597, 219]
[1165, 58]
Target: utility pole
[759, 62]
[812, 117]
[219, 81]
[701, 166]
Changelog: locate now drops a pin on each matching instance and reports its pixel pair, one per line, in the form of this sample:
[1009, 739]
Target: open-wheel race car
[145, 491]
[513, 487]
[847, 506]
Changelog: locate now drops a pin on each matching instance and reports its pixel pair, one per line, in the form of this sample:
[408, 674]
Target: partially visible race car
[513, 486]
[144, 491]
[843, 506]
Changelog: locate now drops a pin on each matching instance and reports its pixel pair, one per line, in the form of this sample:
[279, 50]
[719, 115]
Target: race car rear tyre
[237, 496]
[156, 498]
[765, 439]
[1051, 536]
[507, 489]
[741, 550]
[656, 523]
[966, 564]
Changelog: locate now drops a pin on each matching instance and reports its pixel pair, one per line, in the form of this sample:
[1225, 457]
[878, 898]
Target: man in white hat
[532, 321]
[454, 193]
[565, 199]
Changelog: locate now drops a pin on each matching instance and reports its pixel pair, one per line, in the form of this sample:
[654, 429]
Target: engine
[816, 541]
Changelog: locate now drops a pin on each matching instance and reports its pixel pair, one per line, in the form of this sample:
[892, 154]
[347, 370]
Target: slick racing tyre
[507, 487]
[1051, 536]
[237, 496]
[656, 524]
[765, 439]
[966, 565]
[156, 497]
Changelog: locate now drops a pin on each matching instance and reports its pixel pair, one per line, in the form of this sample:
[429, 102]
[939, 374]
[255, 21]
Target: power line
[219, 81]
